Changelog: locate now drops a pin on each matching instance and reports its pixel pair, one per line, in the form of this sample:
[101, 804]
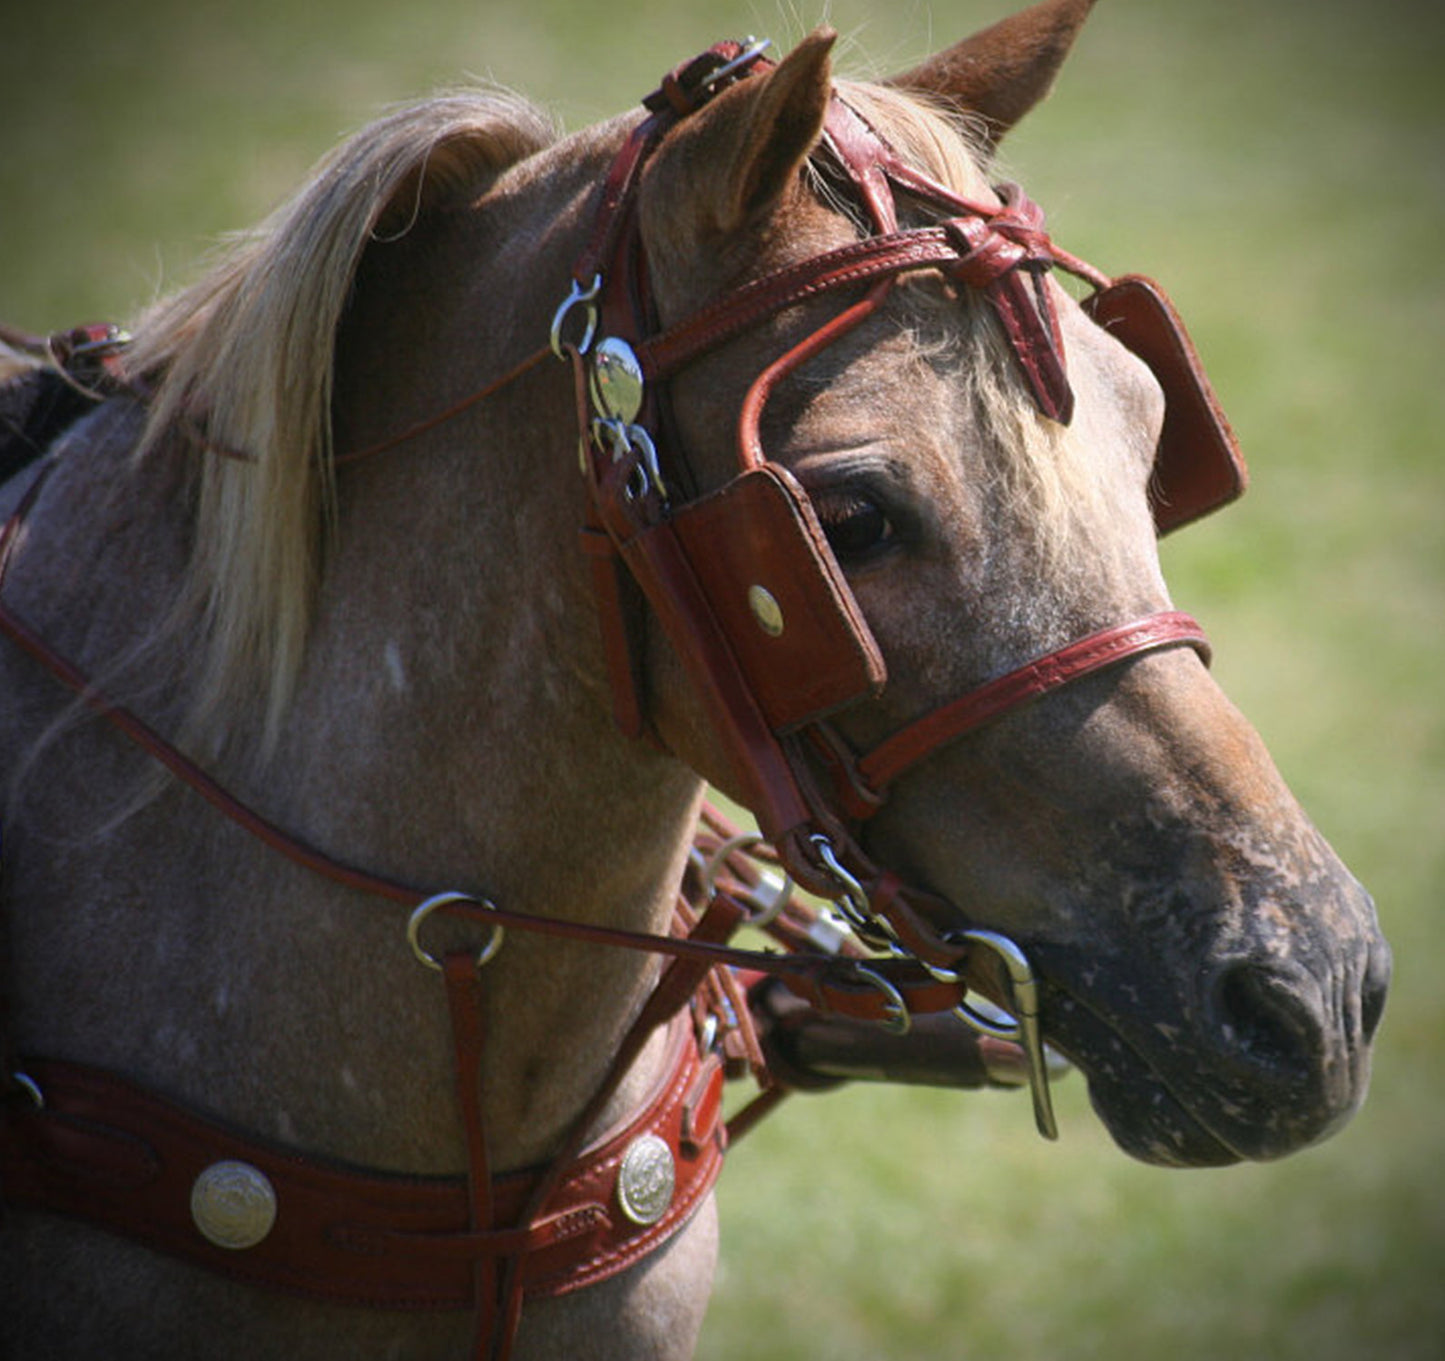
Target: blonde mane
[241, 366]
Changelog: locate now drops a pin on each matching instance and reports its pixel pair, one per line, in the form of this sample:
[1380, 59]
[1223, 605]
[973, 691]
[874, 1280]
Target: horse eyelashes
[854, 526]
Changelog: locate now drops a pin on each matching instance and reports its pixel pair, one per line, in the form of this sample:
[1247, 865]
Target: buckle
[688, 87]
[1022, 1025]
[88, 356]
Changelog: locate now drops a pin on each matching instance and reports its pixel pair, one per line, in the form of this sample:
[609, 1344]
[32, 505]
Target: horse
[342, 785]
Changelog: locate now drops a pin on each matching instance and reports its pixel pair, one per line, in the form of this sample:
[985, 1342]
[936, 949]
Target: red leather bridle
[742, 578]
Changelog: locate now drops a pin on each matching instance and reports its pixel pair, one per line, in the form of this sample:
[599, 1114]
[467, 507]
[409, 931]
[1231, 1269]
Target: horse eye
[854, 526]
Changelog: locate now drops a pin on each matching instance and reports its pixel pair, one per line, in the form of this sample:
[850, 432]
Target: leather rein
[745, 585]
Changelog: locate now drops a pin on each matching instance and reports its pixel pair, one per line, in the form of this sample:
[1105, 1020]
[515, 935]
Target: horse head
[1204, 957]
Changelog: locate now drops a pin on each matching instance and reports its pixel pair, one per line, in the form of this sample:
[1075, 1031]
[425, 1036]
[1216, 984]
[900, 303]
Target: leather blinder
[780, 598]
[1198, 466]
[744, 585]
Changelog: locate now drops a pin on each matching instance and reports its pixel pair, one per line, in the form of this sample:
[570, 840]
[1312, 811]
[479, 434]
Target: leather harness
[79, 1141]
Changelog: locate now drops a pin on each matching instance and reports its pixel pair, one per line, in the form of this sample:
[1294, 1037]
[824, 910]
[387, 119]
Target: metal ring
[640, 443]
[897, 1020]
[752, 49]
[985, 1024]
[853, 905]
[637, 484]
[623, 441]
[1023, 986]
[708, 1037]
[1027, 1033]
[939, 973]
[583, 297]
[30, 1087]
[743, 841]
[767, 911]
[994, 1021]
[423, 910]
[610, 434]
[853, 893]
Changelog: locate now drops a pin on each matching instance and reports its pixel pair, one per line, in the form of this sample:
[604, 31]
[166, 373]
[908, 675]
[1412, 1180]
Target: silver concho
[646, 1179]
[617, 380]
[233, 1204]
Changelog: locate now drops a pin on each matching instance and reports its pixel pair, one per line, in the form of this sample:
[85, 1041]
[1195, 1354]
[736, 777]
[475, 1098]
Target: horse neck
[448, 734]
[453, 725]
[450, 728]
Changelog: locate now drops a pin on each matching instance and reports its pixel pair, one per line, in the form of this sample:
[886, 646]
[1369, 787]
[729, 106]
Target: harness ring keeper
[423, 910]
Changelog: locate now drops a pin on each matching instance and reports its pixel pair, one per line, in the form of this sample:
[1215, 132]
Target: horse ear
[745, 151]
[1003, 71]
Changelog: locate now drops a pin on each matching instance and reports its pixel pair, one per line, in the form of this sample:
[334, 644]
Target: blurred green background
[1280, 165]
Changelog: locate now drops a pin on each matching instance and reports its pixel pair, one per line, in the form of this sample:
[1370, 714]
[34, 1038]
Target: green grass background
[1280, 164]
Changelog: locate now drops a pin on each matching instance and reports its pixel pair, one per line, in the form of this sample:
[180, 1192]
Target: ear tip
[820, 41]
[1003, 71]
[811, 58]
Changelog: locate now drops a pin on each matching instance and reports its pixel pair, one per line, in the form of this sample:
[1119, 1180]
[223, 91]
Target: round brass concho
[766, 610]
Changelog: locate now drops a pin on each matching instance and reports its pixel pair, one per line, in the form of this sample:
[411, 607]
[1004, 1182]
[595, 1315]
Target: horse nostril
[1272, 1019]
[1373, 989]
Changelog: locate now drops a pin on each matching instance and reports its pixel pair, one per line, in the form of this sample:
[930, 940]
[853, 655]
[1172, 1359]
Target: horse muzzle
[1268, 1053]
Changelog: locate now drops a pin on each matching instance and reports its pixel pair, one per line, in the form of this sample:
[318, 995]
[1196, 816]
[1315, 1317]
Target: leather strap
[106, 1151]
[462, 973]
[682, 91]
[865, 159]
[946, 246]
[1011, 236]
[756, 705]
[1009, 254]
[829, 984]
[899, 752]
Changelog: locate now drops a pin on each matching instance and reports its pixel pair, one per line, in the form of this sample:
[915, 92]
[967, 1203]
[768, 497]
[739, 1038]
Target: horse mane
[240, 364]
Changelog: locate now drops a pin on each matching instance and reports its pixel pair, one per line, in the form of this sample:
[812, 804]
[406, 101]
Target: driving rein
[744, 584]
